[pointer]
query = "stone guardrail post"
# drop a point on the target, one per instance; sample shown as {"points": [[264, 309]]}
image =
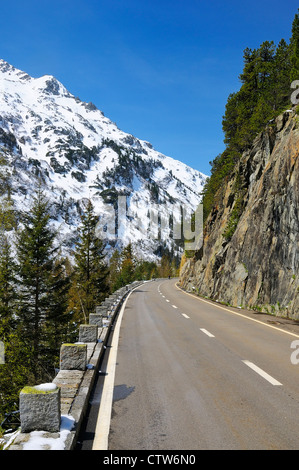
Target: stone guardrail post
{"points": [[88, 333], [96, 319], [103, 311], [73, 356], [40, 408], [40, 405]]}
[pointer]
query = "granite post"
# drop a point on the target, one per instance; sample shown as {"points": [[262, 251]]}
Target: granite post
{"points": [[73, 356], [88, 333], [40, 408]]}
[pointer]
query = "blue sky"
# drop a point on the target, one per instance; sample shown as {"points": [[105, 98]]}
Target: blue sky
{"points": [[161, 70]]}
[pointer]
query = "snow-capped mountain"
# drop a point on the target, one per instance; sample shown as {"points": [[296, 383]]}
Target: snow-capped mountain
{"points": [[49, 135]]}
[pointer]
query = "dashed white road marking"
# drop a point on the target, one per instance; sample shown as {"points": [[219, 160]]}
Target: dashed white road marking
{"points": [[236, 313], [184, 315], [262, 373], [174, 306], [207, 332]]}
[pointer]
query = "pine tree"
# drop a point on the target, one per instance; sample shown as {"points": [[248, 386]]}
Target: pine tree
{"points": [[58, 321], [265, 65], [128, 265], [146, 270], [16, 372], [230, 123], [36, 254], [281, 77], [165, 267], [127, 269], [265, 92], [114, 269], [8, 295], [90, 280], [7, 215], [294, 44]]}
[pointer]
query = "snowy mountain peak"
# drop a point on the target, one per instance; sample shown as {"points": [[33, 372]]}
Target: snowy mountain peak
{"points": [[48, 134], [5, 66], [11, 72], [48, 84]]}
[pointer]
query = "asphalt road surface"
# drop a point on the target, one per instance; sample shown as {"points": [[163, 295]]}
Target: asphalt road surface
{"points": [[191, 374]]}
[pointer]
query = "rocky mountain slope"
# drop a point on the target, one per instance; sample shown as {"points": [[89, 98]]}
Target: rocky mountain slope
{"points": [[250, 254], [49, 135]]}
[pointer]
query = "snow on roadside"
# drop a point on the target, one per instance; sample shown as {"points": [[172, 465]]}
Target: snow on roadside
{"points": [[41, 440]]}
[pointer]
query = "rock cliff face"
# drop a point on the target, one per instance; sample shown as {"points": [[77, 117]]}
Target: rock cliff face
{"points": [[250, 253]]}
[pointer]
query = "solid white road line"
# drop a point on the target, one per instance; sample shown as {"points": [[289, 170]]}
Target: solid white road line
{"points": [[104, 416], [207, 333], [236, 313], [262, 373]]}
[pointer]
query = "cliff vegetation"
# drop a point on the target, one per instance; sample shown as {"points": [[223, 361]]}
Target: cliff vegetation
{"points": [[250, 255]]}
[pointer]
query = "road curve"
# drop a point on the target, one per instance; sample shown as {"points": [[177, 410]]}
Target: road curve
{"points": [[192, 375]]}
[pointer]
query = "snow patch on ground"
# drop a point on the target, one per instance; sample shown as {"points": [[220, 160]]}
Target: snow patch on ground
{"points": [[39, 440]]}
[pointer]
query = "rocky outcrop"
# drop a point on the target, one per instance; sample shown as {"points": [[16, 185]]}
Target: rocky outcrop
{"points": [[250, 253]]}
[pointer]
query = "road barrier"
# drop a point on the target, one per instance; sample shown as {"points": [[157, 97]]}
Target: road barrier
{"points": [[51, 414]]}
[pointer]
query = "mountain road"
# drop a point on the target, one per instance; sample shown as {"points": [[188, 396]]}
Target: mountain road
{"points": [[187, 373]]}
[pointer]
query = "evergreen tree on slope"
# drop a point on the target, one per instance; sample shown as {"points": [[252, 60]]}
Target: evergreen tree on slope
{"points": [[36, 257], [90, 278]]}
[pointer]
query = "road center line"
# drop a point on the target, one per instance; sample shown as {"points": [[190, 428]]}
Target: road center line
{"points": [[262, 373], [184, 315], [174, 306], [207, 333]]}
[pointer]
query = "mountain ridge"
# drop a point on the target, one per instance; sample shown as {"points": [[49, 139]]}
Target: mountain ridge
{"points": [[48, 134]]}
